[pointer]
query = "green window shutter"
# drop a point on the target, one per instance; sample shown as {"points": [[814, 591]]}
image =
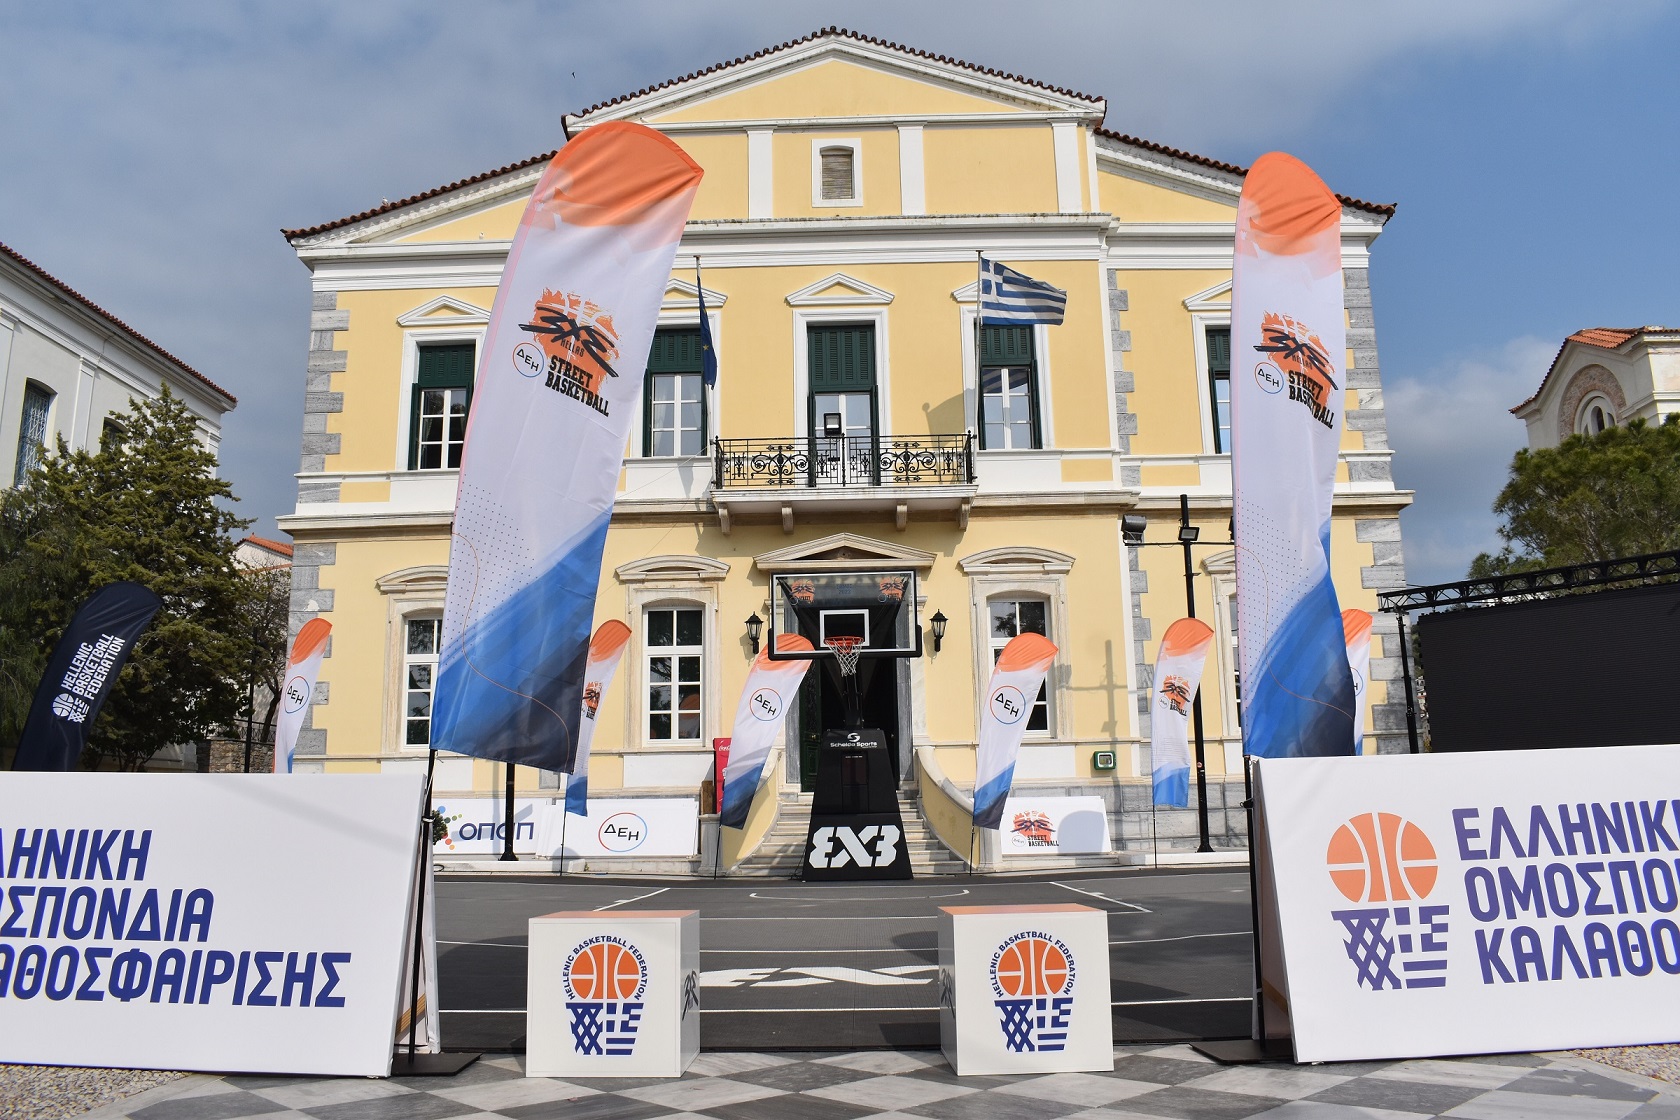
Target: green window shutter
{"points": [[675, 350], [446, 367], [842, 358], [1219, 349], [1006, 346]]}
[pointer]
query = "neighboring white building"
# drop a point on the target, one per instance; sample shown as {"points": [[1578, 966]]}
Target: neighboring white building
{"points": [[1602, 377], [67, 364]]}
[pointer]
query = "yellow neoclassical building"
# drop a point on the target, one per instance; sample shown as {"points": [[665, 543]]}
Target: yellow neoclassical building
{"points": [[849, 186]]}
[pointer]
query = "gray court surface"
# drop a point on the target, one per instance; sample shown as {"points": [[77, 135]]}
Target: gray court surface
{"points": [[789, 965]]}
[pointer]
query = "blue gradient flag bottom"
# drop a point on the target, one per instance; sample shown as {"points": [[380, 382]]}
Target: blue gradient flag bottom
{"points": [[606, 649], [1178, 674], [1288, 348], [559, 378]]}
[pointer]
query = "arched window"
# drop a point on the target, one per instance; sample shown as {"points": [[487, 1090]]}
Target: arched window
{"points": [[836, 172], [1595, 415]]}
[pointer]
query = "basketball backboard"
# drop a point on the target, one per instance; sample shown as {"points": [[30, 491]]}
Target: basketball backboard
{"points": [[877, 606]]}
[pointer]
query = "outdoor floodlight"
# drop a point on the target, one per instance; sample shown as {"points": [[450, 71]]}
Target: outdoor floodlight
{"points": [[754, 625], [938, 622], [1187, 534], [1132, 526]]}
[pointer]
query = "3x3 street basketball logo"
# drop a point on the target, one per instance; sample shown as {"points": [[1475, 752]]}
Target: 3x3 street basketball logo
{"points": [[575, 348], [1383, 858], [605, 981], [1296, 358], [1033, 979]]}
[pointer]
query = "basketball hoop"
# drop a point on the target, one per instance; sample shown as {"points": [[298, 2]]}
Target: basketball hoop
{"points": [[846, 649]]}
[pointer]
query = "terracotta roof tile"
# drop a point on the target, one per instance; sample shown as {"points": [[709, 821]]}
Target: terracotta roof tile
{"points": [[66, 289], [1386, 209], [280, 547], [387, 207], [1605, 338]]}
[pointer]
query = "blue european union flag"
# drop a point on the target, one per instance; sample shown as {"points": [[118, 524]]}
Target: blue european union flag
{"points": [[708, 353]]}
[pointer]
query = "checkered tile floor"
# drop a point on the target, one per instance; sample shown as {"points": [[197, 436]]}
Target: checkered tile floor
{"points": [[1147, 1081]]}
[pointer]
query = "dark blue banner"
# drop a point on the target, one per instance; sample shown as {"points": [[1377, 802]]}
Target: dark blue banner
{"points": [[80, 675]]}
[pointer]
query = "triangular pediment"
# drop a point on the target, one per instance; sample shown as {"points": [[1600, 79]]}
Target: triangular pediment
{"points": [[843, 552], [672, 568], [797, 81], [445, 311], [1020, 559], [1216, 298], [680, 296], [839, 290]]}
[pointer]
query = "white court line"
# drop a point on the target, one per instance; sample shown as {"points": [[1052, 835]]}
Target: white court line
{"points": [[638, 898], [820, 897], [486, 944], [801, 952], [1104, 898], [873, 918], [848, 1010], [1159, 1002], [1186, 937]]}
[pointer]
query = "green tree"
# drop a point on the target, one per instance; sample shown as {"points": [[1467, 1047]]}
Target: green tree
{"points": [[146, 507], [1590, 498]]}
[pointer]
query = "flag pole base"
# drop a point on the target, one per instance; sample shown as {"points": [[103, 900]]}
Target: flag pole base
{"points": [[404, 1064], [1246, 1051]]}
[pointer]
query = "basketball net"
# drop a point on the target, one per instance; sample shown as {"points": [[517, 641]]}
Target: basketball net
{"points": [[847, 649]]}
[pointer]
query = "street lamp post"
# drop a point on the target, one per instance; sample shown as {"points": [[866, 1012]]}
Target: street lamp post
{"points": [[1132, 527]]}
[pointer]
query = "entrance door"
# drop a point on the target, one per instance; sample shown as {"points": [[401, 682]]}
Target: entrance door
{"points": [[844, 412], [823, 708]]}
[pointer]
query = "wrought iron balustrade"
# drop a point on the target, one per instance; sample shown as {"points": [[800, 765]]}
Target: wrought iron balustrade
{"points": [[811, 461]]}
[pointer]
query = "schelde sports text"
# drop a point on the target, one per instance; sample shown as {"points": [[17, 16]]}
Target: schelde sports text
{"points": [[61, 937], [1572, 891]]}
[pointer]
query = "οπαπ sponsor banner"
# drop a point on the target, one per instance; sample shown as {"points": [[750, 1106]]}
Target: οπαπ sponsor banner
{"points": [[638, 827], [1475, 903], [213, 922], [1054, 826], [478, 825]]}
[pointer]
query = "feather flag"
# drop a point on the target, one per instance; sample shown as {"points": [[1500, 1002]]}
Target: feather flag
{"points": [[1178, 674], [303, 667], [606, 649], [1356, 629], [559, 378], [1288, 348], [1020, 672], [765, 698]]}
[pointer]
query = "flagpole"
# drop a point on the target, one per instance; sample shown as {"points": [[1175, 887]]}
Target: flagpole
{"points": [[979, 393]]}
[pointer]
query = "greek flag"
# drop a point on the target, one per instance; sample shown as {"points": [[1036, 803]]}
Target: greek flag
{"points": [[1008, 297]]}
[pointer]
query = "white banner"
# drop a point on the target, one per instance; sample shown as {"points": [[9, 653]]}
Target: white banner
{"points": [[206, 921], [1021, 668], [559, 378], [1178, 674], [478, 825], [1054, 826], [606, 649], [1472, 903], [622, 826], [1288, 349], [1356, 629], [770, 689], [303, 668]]}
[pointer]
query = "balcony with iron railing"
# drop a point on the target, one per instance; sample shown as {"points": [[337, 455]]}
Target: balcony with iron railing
{"points": [[860, 473]]}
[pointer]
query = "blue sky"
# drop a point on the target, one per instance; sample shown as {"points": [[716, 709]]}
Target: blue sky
{"points": [[149, 154]]}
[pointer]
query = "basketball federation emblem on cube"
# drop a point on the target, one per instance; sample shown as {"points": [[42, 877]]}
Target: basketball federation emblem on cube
{"points": [[1381, 858], [1033, 979], [605, 981]]}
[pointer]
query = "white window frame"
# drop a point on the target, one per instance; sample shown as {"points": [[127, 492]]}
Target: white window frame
{"points": [[1199, 323], [676, 314], [803, 319], [670, 581], [648, 652], [413, 339], [47, 419], [1221, 569], [995, 647], [415, 593], [855, 145], [1023, 572], [968, 312]]}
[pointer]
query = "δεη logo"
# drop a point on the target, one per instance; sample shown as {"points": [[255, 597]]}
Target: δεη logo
{"points": [[765, 704], [1383, 858], [622, 832], [1033, 980], [296, 694], [1008, 705], [605, 980]]}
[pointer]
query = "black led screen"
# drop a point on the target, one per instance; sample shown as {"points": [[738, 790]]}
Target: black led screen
{"points": [[1590, 670]]}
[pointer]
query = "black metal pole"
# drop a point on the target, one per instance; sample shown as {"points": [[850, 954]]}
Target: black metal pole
{"points": [[507, 824], [1196, 705], [419, 945], [250, 715], [1406, 678]]}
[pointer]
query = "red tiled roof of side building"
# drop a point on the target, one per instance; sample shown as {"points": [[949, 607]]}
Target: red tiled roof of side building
{"points": [[1605, 338], [281, 547], [55, 282]]}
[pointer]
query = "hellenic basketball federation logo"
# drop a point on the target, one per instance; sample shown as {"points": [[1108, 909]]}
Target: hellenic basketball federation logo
{"points": [[1032, 982], [1382, 858], [605, 979]]}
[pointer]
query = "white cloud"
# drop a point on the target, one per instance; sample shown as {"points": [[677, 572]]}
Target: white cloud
{"points": [[1454, 437]]}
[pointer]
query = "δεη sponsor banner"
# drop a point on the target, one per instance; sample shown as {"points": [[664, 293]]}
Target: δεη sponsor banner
{"points": [[1054, 826], [621, 826], [211, 922], [1472, 903]]}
